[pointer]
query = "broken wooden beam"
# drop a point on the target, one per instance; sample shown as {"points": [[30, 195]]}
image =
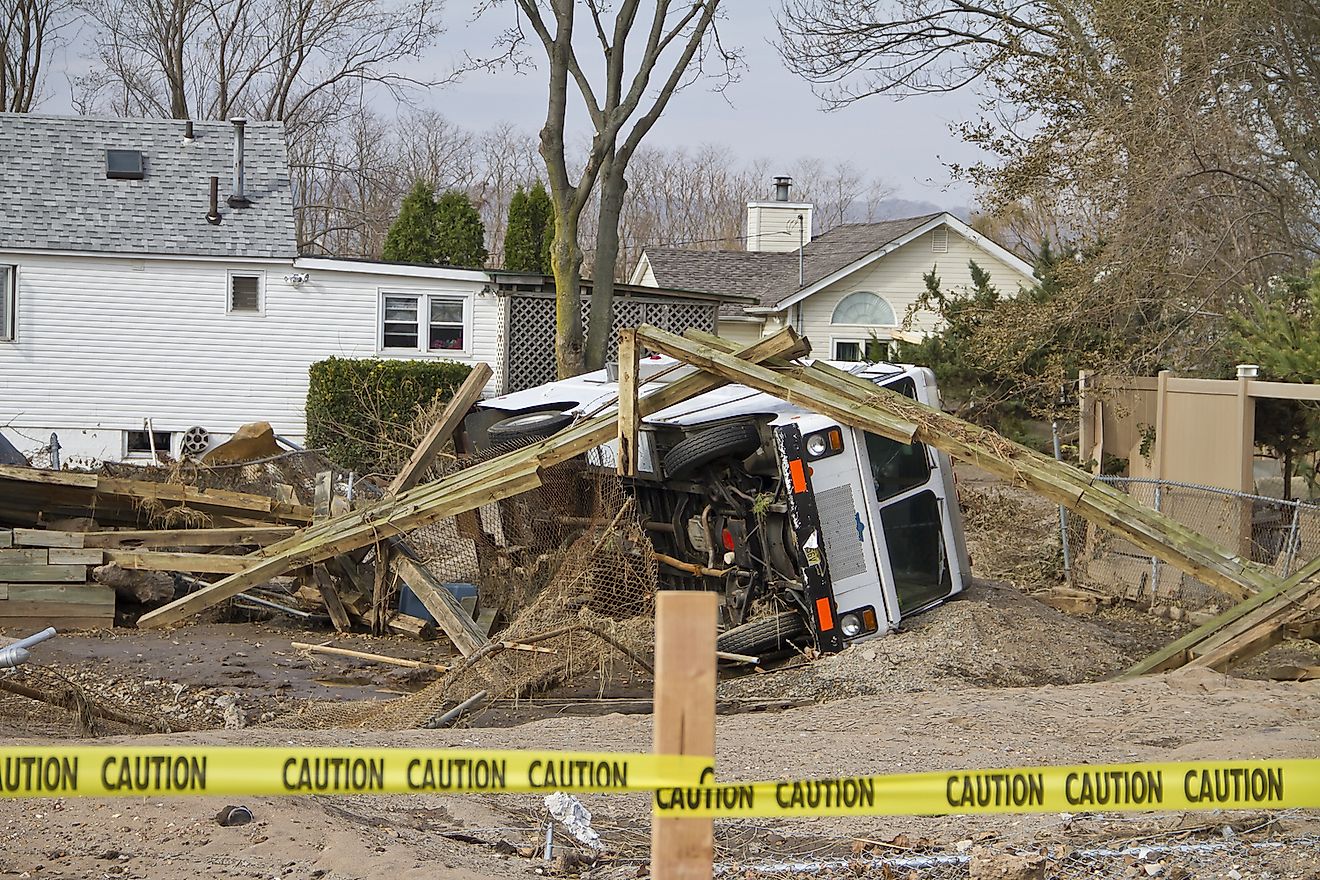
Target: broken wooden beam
{"points": [[493, 480], [1177, 653], [368, 656], [334, 606], [448, 613], [899, 418], [159, 560], [153, 539], [450, 418]]}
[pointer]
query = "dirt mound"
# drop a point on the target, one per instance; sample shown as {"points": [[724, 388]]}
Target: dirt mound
{"points": [[994, 637]]}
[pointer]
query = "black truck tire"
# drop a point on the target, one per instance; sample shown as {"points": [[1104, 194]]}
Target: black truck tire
{"points": [[533, 424], [734, 440], [764, 636]]}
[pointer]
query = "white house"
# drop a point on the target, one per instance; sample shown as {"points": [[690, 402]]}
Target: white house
{"points": [[149, 275], [842, 289]]}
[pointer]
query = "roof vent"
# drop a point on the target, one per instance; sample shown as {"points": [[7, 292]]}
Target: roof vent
{"points": [[123, 164]]}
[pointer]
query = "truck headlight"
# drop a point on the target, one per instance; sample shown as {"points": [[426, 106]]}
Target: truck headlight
{"points": [[858, 622], [823, 443], [850, 625]]}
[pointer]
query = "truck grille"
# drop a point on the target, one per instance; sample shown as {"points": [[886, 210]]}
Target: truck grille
{"points": [[838, 528]]}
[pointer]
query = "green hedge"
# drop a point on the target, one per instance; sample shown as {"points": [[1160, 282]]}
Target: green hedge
{"points": [[360, 410]]}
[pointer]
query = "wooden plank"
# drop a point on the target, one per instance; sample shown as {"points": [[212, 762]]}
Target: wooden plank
{"points": [[629, 422], [1175, 653], [6, 537], [48, 477], [684, 849], [29, 556], [34, 623], [447, 611], [1263, 635], [325, 490], [159, 560], [406, 625], [47, 538], [498, 478], [72, 556], [154, 539], [889, 414], [426, 452], [88, 594], [23, 608], [36, 573], [325, 585], [4, 591], [145, 490]]}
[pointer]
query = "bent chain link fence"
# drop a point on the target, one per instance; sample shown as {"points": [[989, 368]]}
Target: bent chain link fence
{"points": [[1280, 535]]}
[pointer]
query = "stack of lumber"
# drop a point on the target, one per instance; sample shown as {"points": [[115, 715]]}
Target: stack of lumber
{"points": [[44, 582], [29, 496]]}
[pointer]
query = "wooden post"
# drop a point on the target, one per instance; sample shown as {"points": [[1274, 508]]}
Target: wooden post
{"points": [[628, 420], [426, 452], [684, 849]]}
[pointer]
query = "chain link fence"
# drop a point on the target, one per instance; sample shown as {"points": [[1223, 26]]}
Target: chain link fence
{"points": [[1280, 535]]}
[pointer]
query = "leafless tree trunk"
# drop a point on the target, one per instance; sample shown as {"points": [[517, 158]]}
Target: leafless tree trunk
{"points": [[29, 27], [611, 105]]}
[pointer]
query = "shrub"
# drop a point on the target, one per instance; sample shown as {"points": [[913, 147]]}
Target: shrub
{"points": [[360, 410]]}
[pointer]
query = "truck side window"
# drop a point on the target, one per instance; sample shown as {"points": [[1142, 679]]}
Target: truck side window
{"points": [[913, 531]]}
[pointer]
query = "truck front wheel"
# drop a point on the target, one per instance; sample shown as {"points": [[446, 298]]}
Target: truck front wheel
{"points": [[764, 636]]}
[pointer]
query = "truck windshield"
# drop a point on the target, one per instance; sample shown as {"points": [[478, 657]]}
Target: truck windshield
{"points": [[896, 467]]}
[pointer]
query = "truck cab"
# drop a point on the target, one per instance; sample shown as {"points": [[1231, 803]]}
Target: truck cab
{"points": [[813, 532]]}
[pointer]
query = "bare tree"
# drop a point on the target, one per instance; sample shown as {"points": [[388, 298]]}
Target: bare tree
{"points": [[29, 28], [292, 60], [680, 35]]}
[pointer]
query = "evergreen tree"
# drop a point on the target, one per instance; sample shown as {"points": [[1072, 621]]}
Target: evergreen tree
{"points": [[1280, 333], [460, 236], [529, 232], [411, 237]]}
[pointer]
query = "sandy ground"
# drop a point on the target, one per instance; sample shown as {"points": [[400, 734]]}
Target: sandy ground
{"points": [[1190, 715], [995, 679]]}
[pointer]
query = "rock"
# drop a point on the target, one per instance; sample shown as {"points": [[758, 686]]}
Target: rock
{"points": [[990, 864], [234, 718], [250, 442], [146, 587]]}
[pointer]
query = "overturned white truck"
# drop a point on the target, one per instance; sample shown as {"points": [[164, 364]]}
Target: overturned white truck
{"points": [[812, 532]]}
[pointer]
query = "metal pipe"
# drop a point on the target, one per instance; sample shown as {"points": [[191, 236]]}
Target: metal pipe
{"points": [[13, 656], [1292, 539], [1063, 511], [453, 714], [34, 640]]}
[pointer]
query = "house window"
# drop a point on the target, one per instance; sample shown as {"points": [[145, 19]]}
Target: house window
{"points": [[870, 350], [865, 308], [423, 323], [8, 275], [245, 291], [140, 442]]}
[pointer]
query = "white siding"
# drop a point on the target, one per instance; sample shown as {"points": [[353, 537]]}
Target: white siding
{"points": [[103, 343], [773, 226], [741, 332], [897, 277]]}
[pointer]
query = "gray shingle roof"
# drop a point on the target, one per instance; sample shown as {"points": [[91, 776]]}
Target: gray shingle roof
{"points": [[57, 197], [772, 277]]}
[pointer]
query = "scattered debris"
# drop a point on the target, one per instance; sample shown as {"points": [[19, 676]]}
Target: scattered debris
{"points": [[230, 816], [571, 813]]}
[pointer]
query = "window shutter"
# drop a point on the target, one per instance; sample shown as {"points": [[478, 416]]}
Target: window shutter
{"points": [[244, 293]]}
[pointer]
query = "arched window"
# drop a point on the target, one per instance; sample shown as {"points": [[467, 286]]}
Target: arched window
{"points": [[863, 307]]}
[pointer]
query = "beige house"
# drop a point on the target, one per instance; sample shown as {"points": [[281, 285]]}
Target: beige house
{"points": [[842, 289]]}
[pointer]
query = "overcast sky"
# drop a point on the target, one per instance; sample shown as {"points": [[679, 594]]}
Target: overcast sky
{"points": [[770, 113]]}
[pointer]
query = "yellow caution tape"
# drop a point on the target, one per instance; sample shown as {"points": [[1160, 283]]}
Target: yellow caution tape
{"points": [[106, 770], [1200, 785]]}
